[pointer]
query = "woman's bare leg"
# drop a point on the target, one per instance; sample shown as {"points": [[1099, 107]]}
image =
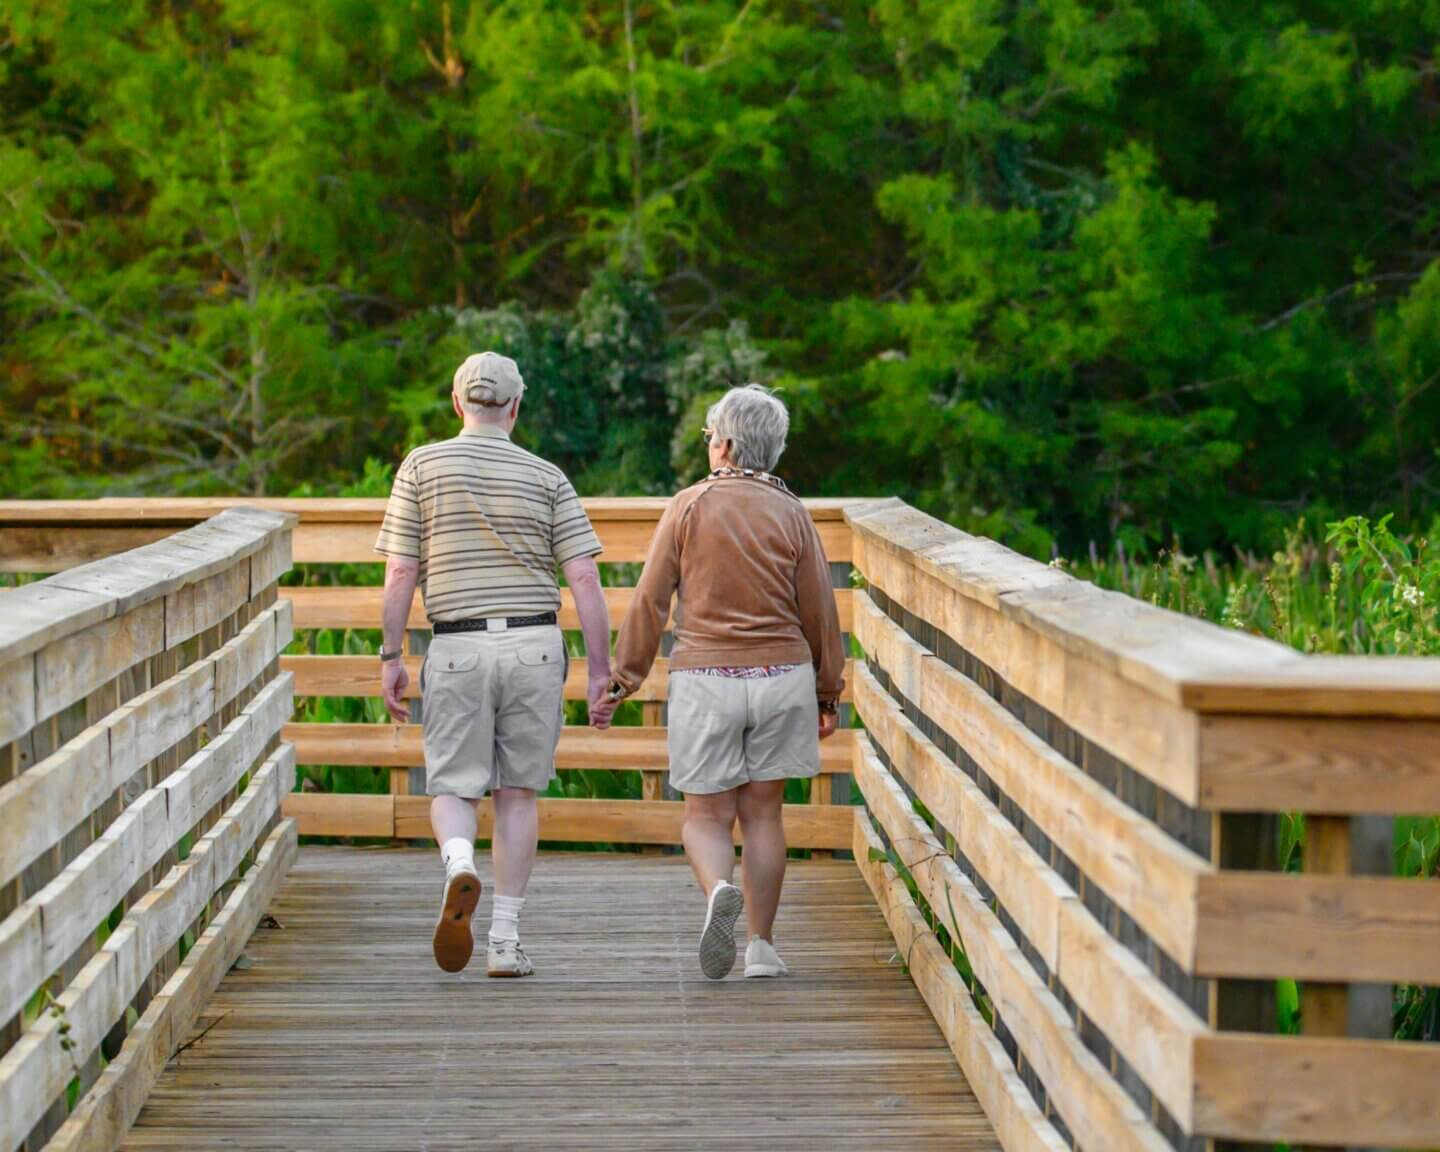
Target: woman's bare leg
{"points": [[708, 836], [762, 860]]}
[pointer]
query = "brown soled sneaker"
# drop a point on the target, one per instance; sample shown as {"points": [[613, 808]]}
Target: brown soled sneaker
{"points": [[454, 941]]}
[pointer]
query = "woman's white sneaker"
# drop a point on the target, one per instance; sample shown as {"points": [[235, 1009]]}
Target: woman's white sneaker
{"points": [[761, 959], [717, 941]]}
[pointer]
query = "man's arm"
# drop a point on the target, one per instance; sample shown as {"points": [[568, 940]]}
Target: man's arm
{"points": [[584, 579], [401, 576]]}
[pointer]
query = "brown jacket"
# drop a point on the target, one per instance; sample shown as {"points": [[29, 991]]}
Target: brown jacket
{"points": [[753, 581]]}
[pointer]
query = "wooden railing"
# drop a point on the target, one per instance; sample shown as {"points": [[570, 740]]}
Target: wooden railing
{"points": [[43, 536], [141, 777], [1070, 816], [1081, 792]]}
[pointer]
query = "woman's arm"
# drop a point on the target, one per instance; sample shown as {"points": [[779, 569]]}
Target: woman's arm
{"points": [[639, 638], [820, 619]]}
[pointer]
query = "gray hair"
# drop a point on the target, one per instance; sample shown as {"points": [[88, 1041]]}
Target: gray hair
{"points": [[755, 422]]}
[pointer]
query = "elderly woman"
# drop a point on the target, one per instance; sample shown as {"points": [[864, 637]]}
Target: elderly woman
{"points": [[755, 675]]}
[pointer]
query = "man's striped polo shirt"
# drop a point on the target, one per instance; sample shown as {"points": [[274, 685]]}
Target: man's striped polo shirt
{"points": [[489, 523]]}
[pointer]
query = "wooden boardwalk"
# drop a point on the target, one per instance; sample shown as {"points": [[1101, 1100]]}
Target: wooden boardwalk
{"points": [[338, 1032]]}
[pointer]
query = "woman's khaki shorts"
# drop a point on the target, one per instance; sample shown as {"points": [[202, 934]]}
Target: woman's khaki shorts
{"points": [[726, 732], [493, 703]]}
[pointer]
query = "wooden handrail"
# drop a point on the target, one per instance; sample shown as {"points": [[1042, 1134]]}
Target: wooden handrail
{"points": [[1092, 787], [141, 707]]}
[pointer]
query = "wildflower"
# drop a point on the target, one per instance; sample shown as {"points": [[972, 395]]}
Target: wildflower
{"points": [[1058, 562], [1409, 594]]}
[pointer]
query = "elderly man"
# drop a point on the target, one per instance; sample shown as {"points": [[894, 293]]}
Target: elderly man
{"points": [[481, 525]]}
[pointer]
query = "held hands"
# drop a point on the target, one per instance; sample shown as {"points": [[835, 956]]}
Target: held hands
{"points": [[394, 679], [829, 724], [602, 705]]}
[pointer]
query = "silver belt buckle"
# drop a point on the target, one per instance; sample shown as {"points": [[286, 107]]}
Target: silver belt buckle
{"points": [[497, 624]]}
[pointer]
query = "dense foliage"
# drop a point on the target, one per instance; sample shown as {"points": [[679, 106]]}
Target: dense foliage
{"points": [[1059, 271]]}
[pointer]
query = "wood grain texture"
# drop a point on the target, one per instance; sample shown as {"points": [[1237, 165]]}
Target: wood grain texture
{"points": [[1140, 1016], [401, 746], [1186, 662], [1153, 735], [41, 805], [74, 903], [39, 614], [1151, 876], [1019, 1123], [561, 820], [360, 676], [1093, 1105], [841, 1056], [38, 1068], [1353, 929], [346, 607], [104, 1115], [1319, 764], [1330, 1093]]}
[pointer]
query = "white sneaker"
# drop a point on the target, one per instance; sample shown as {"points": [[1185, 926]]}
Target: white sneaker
{"points": [[717, 941], [507, 958], [761, 959], [453, 941]]}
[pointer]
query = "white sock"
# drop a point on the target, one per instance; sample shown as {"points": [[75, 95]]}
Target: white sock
{"points": [[458, 852], [505, 919]]}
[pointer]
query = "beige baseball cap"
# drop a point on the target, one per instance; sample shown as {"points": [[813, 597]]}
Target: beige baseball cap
{"points": [[488, 378]]}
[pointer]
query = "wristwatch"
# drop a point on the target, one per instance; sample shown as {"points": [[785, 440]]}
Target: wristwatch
{"points": [[386, 657]]}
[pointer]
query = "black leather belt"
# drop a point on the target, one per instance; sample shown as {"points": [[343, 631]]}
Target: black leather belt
{"points": [[441, 627]]}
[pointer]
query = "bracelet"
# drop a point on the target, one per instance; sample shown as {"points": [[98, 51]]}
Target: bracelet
{"points": [[386, 657], [830, 707]]}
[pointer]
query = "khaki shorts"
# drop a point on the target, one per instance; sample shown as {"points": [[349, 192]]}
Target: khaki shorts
{"points": [[726, 732], [493, 703]]}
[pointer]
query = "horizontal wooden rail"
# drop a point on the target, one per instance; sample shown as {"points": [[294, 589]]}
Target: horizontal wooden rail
{"points": [[1141, 1017], [401, 746], [1019, 1123], [102, 1117], [1079, 786], [561, 820], [140, 712], [50, 536], [360, 676], [352, 607]]}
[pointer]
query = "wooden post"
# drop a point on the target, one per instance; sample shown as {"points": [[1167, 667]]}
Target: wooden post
{"points": [[652, 784], [411, 781], [1248, 842], [1341, 845]]}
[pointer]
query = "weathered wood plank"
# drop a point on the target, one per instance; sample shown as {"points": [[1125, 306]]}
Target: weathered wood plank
{"points": [[400, 746], [1148, 874], [561, 820], [1140, 1016], [106, 1113], [37, 1069], [360, 676], [1153, 735], [1317, 1091], [1355, 929], [1323, 765], [41, 614], [41, 805], [83, 894], [346, 607], [69, 669], [1019, 1123], [1094, 1107]]}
